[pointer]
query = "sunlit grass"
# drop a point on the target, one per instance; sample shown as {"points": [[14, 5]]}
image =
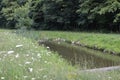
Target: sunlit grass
{"points": [[21, 58], [109, 42]]}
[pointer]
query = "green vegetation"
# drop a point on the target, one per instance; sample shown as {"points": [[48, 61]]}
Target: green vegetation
{"points": [[61, 14], [108, 42], [13, 11], [100, 76], [22, 59]]}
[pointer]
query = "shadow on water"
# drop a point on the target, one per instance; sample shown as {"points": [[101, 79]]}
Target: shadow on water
{"points": [[82, 57]]}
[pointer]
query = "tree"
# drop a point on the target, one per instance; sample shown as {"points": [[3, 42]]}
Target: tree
{"points": [[111, 9], [16, 13], [2, 19], [62, 14], [55, 14], [100, 14], [21, 16], [8, 10]]}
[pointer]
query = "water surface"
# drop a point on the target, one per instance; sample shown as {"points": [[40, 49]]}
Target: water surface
{"points": [[82, 57]]}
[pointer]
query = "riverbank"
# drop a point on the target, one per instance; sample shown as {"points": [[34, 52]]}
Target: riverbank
{"points": [[82, 57], [108, 43]]}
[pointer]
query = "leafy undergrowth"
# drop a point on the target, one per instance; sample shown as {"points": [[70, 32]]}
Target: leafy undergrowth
{"points": [[21, 58]]}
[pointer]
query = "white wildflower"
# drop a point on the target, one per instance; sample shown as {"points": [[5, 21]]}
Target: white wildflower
{"points": [[2, 77], [33, 79], [39, 55], [47, 47], [27, 55], [45, 61], [109, 77], [30, 69], [10, 52], [27, 62], [33, 58], [19, 46], [45, 76], [18, 39], [17, 55]]}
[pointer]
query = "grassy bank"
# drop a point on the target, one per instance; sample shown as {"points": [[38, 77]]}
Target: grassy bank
{"points": [[21, 58], [109, 42]]}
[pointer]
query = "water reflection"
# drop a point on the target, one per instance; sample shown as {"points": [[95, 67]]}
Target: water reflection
{"points": [[79, 56]]}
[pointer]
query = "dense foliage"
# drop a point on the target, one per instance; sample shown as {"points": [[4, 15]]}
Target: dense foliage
{"points": [[16, 13], [55, 14], [1, 17], [100, 14], [103, 15]]}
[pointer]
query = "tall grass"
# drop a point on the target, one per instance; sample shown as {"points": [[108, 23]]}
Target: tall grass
{"points": [[109, 42], [21, 58]]}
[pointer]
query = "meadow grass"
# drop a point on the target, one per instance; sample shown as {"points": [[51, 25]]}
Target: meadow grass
{"points": [[110, 75], [109, 42], [21, 58]]}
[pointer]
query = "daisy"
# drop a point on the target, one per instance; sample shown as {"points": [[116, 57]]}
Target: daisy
{"points": [[10, 52], [19, 46]]}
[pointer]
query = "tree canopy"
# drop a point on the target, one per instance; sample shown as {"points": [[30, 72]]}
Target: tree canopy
{"points": [[102, 15]]}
